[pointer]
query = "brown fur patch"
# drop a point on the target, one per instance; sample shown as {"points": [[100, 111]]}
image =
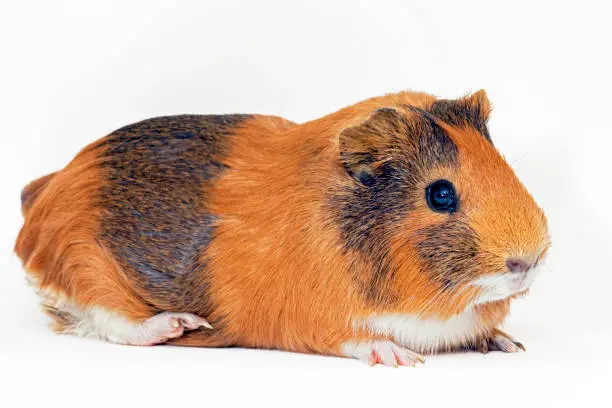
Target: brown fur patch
{"points": [[155, 219], [472, 111], [395, 148]]}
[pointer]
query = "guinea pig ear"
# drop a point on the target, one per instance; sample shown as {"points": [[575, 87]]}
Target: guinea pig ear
{"points": [[364, 148], [481, 101], [473, 110]]}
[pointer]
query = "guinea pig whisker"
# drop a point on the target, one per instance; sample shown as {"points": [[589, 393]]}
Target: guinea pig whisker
{"points": [[434, 299], [454, 294], [439, 300]]}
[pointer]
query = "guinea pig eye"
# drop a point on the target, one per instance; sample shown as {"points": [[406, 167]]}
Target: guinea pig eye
{"points": [[441, 197]]}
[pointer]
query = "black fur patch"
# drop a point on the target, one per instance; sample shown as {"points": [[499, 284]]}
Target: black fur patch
{"points": [[449, 250], [154, 219], [435, 146], [368, 212], [461, 113]]}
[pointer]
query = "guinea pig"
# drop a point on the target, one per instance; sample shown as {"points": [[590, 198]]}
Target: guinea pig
{"points": [[384, 231]]}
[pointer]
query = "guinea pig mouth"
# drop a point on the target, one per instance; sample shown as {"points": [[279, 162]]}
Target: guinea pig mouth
{"points": [[502, 285]]}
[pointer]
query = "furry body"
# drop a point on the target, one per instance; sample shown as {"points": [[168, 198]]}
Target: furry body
{"points": [[311, 238]]}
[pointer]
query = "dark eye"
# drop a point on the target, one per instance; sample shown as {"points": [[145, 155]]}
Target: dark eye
{"points": [[441, 196]]}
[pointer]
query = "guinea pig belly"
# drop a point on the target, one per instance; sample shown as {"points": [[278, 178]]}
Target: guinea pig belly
{"points": [[427, 335]]}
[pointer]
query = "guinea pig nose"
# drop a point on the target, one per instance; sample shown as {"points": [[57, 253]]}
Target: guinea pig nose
{"points": [[517, 265]]}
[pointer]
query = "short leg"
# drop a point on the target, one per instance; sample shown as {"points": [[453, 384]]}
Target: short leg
{"points": [[500, 341], [157, 329], [385, 352], [114, 326]]}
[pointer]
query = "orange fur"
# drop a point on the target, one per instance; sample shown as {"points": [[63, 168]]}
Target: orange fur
{"points": [[276, 268], [287, 237], [58, 247]]}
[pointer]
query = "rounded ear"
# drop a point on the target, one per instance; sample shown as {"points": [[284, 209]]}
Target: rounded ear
{"points": [[480, 100], [364, 148], [472, 111]]}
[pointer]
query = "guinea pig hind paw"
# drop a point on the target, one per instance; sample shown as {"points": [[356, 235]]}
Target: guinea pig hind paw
{"points": [[501, 341], [165, 326], [382, 352]]}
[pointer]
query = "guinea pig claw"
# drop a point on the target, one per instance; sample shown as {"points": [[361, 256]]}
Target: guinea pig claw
{"points": [[193, 322], [484, 346], [383, 352], [204, 323]]}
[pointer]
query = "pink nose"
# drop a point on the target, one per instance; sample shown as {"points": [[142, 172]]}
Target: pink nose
{"points": [[518, 265]]}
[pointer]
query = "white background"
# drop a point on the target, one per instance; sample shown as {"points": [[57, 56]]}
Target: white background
{"points": [[72, 71]]}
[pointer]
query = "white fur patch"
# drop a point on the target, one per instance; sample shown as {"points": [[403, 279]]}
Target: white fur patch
{"points": [[96, 322], [424, 334], [503, 285], [432, 334]]}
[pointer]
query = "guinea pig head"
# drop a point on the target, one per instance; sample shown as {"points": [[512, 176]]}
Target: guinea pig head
{"points": [[436, 209]]}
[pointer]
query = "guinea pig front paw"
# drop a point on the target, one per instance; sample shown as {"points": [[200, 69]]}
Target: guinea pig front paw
{"points": [[381, 352], [500, 341], [165, 326]]}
